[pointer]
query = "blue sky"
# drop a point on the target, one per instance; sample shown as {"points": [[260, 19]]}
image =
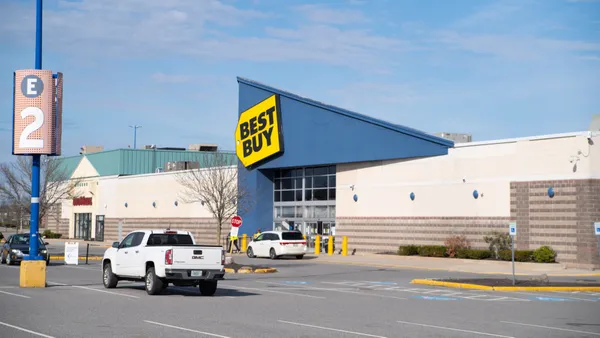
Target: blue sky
{"points": [[496, 69]]}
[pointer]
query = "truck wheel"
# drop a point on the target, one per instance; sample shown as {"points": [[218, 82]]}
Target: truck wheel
{"points": [[250, 253], [153, 284], [108, 278], [208, 288]]}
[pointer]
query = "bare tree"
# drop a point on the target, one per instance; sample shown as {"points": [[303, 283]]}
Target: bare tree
{"points": [[216, 187], [55, 184]]}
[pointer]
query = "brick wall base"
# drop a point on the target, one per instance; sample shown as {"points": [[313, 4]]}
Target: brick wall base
{"points": [[563, 222], [386, 234]]}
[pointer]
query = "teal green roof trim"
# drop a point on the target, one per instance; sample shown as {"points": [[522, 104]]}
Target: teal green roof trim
{"points": [[141, 161], [68, 164]]}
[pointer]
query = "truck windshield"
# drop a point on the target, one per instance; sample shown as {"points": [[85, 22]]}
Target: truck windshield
{"points": [[169, 239], [292, 236]]}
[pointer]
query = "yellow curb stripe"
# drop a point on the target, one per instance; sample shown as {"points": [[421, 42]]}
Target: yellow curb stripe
{"points": [[504, 288], [229, 270], [267, 270], [95, 258], [376, 265]]}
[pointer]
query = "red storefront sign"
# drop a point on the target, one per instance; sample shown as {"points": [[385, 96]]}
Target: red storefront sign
{"points": [[78, 201]]}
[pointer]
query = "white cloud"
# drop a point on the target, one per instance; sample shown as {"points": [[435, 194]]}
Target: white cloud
{"points": [[328, 15], [136, 28]]}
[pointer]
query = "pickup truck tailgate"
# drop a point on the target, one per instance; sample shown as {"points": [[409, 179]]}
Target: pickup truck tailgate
{"points": [[196, 258]]}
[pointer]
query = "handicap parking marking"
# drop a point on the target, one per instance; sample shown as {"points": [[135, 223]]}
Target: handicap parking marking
{"points": [[295, 282], [439, 292], [433, 297], [553, 299]]}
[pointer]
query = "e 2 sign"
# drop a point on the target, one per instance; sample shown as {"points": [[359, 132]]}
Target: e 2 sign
{"points": [[258, 132]]}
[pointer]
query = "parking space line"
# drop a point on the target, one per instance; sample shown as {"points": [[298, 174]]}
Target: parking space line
{"points": [[14, 294], [546, 295], [453, 329], [285, 293], [184, 329], [335, 290], [104, 291], [25, 330], [552, 328], [7, 287], [331, 329]]}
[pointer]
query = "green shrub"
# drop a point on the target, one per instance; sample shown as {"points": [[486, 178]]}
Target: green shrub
{"points": [[408, 250], [455, 243], [498, 242], [432, 251], [544, 254], [473, 254], [50, 234], [520, 255]]}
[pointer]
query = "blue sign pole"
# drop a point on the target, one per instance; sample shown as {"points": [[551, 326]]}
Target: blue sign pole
{"points": [[35, 167]]}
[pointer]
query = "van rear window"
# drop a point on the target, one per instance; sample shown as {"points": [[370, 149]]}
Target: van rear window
{"points": [[292, 236], [169, 239]]}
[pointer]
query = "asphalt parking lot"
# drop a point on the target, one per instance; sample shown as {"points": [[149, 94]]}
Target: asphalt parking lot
{"points": [[304, 299]]}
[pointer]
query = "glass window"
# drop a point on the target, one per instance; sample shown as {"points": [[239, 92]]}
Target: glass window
{"points": [[332, 194], [309, 212], [309, 171], [126, 243], [287, 183], [137, 239], [292, 236], [320, 182], [286, 173], [277, 184], [308, 182], [298, 195], [321, 171], [320, 194], [287, 195], [298, 184], [299, 212], [332, 181], [332, 211], [277, 196], [321, 212], [331, 170], [297, 172], [288, 212], [308, 195]]}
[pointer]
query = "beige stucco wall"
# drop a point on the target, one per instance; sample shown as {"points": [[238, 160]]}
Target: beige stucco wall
{"points": [[109, 195], [139, 191], [383, 187]]}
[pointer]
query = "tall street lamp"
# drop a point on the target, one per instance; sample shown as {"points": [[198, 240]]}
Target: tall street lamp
{"points": [[135, 128]]}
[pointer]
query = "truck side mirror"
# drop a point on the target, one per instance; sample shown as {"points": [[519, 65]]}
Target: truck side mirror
{"points": [[115, 244]]}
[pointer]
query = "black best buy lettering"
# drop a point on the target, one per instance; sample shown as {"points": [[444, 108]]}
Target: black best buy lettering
{"points": [[255, 130]]}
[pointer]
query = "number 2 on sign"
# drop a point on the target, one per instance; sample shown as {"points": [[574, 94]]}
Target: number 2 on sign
{"points": [[38, 114]]}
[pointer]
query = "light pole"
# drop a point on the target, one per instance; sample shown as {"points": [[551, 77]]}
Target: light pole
{"points": [[135, 128]]}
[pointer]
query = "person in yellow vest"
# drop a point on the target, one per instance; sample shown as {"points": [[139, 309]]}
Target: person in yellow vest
{"points": [[233, 240], [256, 234]]}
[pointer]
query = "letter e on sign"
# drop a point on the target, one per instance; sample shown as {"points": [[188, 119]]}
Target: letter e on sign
{"points": [[36, 126], [258, 132]]}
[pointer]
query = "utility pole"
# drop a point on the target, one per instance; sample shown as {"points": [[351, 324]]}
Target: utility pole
{"points": [[135, 128]]}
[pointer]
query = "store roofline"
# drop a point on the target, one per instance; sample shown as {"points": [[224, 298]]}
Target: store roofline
{"points": [[385, 124], [526, 138]]}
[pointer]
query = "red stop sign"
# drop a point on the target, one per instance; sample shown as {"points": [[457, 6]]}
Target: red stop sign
{"points": [[236, 221]]}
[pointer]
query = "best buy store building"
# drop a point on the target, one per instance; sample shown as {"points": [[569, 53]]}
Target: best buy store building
{"points": [[322, 169]]}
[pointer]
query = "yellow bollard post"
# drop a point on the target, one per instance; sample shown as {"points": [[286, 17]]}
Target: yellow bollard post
{"points": [[330, 246], [345, 246], [317, 244], [244, 242]]}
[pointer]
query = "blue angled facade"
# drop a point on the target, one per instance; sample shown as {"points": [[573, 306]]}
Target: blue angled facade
{"points": [[316, 134]]}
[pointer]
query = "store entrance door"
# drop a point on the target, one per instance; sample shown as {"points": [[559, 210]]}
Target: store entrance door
{"points": [[83, 226]]}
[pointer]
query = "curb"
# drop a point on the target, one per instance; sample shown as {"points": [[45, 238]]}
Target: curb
{"points": [[410, 267], [248, 271], [90, 258], [504, 288]]}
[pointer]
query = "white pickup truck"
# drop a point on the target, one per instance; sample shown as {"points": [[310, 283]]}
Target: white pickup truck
{"points": [[160, 257]]}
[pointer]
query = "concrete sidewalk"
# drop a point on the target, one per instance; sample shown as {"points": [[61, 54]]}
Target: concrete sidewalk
{"points": [[486, 267]]}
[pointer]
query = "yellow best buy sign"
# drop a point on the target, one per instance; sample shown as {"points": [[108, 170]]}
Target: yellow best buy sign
{"points": [[258, 132]]}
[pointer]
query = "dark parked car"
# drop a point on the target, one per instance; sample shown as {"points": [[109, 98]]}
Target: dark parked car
{"points": [[17, 246]]}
